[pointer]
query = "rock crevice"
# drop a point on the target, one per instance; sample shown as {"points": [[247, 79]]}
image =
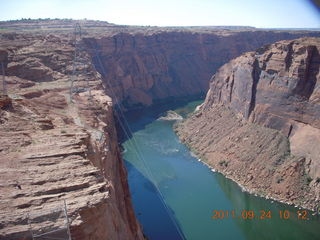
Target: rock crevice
{"points": [[54, 150], [266, 136], [143, 68]]}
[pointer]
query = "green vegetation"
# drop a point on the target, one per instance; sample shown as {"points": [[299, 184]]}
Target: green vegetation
{"points": [[309, 179], [286, 155], [279, 179], [223, 163]]}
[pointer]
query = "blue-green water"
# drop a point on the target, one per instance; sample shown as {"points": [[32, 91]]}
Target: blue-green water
{"points": [[192, 191]]}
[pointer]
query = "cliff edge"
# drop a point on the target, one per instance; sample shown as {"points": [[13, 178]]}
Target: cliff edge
{"points": [[260, 122], [55, 149], [155, 65]]}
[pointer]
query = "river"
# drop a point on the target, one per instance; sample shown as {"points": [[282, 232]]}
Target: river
{"points": [[156, 160]]}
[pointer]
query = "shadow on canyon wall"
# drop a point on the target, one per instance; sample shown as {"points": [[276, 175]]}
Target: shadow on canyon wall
{"points": [[147, 114]]}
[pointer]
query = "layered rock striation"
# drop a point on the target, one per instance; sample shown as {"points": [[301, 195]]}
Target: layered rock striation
{"points": [[59, 143], [259, 124], [141, 68], [54, 150]]}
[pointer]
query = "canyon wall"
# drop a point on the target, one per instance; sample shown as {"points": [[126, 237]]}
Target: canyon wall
{"points": [[55, 149], [59, 143], [259, 124], [140, 68]]}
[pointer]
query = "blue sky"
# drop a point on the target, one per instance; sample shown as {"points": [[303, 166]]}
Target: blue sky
{"points": [[257, 13]]}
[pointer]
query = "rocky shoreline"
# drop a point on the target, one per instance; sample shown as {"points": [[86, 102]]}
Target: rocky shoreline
{"points": [[171, 116], [55, 148], [248, 130], [244, 188], [253, 192]]}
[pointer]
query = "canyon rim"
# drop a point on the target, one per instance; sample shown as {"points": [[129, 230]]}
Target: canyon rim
{"points": [[55, 148], [259, 124]]}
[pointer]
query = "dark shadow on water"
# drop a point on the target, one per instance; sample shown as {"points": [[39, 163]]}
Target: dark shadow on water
{"points": [[149, 209], [140, 117], [159, 222]]}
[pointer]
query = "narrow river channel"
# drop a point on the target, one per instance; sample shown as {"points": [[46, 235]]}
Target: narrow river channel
{"points": [[192, 191]]}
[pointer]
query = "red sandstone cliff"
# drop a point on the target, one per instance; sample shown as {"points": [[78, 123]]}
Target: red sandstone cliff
{"points": [[52, 149], [155, 65], [259, 124]]}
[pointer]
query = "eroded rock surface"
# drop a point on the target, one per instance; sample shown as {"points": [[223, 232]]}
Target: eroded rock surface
{"points": [[259, 124], [145, 67], [52, 149]]}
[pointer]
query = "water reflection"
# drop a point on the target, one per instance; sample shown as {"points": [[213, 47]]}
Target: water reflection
{"points": [[149, 209], [192, 191], [268, 228]]}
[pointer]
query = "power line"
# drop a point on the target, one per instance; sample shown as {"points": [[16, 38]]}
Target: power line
{"points": [[79, 64], [4, 87], [134, 145], [57, 220]]}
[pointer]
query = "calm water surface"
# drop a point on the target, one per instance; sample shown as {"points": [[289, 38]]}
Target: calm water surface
{"points": [[192, 191]]}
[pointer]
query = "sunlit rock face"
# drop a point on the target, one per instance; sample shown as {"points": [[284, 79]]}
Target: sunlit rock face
{"points": [[260, 122], [53, 150], [142, 67]]}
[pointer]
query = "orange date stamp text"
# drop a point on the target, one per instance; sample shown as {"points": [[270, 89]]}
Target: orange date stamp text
{"points": [[260, 214]]}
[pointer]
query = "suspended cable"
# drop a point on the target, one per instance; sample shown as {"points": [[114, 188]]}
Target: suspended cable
{"points": [[125, 126], [4, 88]]}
